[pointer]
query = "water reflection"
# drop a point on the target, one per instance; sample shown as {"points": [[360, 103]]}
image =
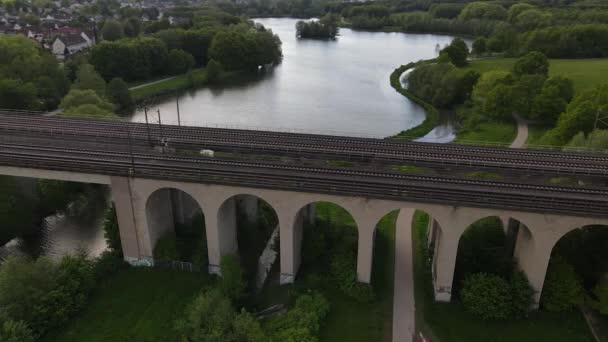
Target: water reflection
{"points": [[321, 86], [79, 228]]}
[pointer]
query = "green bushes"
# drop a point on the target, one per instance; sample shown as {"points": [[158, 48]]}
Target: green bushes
{"points": [[231, 284], [487, 296], [12, 331], [211, 317], [491, 297], [44, 295], [443, 85], [302, 323], [343, 268], [562, 289], [601, 292]]}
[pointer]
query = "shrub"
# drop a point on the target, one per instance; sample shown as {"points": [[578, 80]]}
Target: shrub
{"points": [[208, 318], [166, 248], [562, 289], [12, 331], [231, 283], [109, 262], [303, 321], [74, 280], [522, 294], [118, 92], [487, 296], [44, 295]]}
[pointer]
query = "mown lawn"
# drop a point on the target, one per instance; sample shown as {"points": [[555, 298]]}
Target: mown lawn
{"points": [[585, 73], [451, 322], [136, 304], [494, 133]]}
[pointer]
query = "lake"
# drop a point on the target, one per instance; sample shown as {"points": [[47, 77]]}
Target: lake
{"points": [[322, 86]]}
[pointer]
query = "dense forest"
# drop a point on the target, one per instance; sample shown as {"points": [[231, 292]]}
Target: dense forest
{"points": [[559, 29]]}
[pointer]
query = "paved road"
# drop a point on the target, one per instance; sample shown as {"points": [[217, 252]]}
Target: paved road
{"points": [[522, 132], [403, 301]]}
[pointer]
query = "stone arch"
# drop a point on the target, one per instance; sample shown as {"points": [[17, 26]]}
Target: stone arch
{"points": [[583, 247], [313, 213], [237, 215], [491, 244], [169, 207]]}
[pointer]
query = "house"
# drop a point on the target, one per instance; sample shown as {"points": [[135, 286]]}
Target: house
{"points": [[70, 43]]}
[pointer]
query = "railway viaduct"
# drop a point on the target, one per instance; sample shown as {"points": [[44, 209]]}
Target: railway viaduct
{"points": [[140, 182]]}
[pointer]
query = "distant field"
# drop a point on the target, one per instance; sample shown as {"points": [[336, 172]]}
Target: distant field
{"points": [[585, 73]]}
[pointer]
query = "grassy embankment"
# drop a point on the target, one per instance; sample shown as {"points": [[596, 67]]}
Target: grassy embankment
{"points": [[451, 322], [167, 86], [143, 304], [136, 304], [585, 73], [432, 114]]}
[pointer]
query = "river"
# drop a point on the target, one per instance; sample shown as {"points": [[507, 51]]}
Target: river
{"points": [[322, 86]]}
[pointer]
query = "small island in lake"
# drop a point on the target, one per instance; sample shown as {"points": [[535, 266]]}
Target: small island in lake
{"points": [[325, 28]]}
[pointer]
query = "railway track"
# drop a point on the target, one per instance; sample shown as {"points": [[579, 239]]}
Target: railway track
{"points": [[346, 148], [456, 191]]}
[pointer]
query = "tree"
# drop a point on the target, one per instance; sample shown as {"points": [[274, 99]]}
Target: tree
{"points": [[581, 114], [532, 63], [562, 289], [483, 10], [525, 90], [214, 71], [499, 103], [247, 328], [457, 52], [553, 99], [180, 62], [112, 30], [488, 81], [88, 78], [16, 331], [118, 92], [517, 9], [24, 285], [16, 94], [479, 46], [76, 98]]}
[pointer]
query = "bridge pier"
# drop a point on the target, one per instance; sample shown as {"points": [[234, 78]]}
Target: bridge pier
{"points": [[130, 239], [444, 262], [291, 229]]}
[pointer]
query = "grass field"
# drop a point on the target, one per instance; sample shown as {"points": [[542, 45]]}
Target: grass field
{"points": [[451, 322], [585, 73], [136, 304], [175, 84], [496, 133]]}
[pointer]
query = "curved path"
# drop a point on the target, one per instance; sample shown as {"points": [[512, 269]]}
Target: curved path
{"points": [[522, 132], [404, 309]]}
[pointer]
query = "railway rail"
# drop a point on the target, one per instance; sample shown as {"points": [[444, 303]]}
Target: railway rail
{"points": [[456, 191], [337, 147]]}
